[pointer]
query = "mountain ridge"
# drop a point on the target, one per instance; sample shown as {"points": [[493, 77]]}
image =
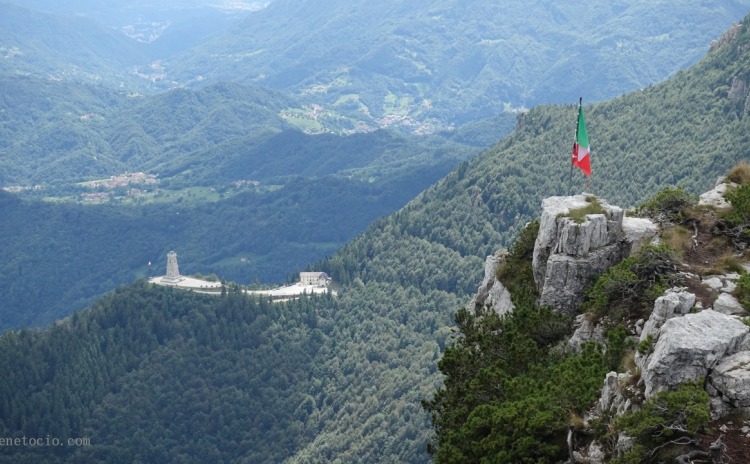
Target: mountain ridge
{"points": [[468, 76]]}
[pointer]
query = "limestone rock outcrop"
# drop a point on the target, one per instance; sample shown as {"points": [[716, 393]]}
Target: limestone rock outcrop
{"points": [[715, 197], [729, 384], [674, 302], [689, 347], [491, 294], [569, 255], [585, 331], [639, 232], [678, 346]]}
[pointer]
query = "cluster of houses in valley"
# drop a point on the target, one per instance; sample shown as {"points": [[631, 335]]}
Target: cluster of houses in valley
{"points": [[310, 283]]}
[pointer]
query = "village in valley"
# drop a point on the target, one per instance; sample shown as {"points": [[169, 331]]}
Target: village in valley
{"points": [[310, 283]]}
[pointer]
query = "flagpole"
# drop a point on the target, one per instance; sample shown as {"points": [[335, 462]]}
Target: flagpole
{"points": [[575, 137], [570, 181]]}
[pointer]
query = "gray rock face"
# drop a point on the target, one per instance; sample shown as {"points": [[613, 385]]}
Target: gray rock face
{"points": [[727, 304], [584, 332], [491, 294], [715, 197], [731, 378], [688, 347], [639, 232], [569, 255], [674, 302], [568, 277], [611, 399]]}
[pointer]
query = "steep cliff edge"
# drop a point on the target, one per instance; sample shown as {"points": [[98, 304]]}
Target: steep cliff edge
{"points": [[579, 238], [689, 350]]}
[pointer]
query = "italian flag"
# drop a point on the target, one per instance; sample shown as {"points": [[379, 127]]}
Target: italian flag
{"points": [[581, 150]]}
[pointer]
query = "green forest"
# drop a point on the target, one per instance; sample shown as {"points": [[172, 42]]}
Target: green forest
{"points": [[208, 378], [47, 271], [300, 196]]}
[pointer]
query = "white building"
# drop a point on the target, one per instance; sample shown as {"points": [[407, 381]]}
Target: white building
{"points": [[315, 279]]}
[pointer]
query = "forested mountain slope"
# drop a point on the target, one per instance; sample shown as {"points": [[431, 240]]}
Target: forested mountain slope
{"points": [[69, 48], [450, 61], [60, 132], [404, 278], [314, 192], [184, 376], [43, 126]]}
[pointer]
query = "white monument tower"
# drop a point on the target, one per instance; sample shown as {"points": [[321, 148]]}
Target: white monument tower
{"points": [[173, 272]]}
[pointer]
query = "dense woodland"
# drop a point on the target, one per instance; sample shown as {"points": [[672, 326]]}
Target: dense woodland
{"points": [[209, 378], [231, 378]]}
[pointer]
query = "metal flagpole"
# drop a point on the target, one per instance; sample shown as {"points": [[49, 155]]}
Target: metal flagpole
{"points": [[570, 182], [575, 149]]}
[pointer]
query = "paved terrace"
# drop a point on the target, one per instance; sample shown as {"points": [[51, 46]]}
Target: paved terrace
{"points": [[290, 291], [188, 283]]}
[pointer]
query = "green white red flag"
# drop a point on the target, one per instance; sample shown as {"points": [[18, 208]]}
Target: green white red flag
{"points": [[581, 150]]}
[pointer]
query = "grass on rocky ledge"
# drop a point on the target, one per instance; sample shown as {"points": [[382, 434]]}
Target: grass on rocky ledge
{"points": [[579, 214]]}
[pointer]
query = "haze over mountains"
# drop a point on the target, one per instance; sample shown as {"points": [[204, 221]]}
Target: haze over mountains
{"points": [[419, 65], [453, 61], [136, 371]]}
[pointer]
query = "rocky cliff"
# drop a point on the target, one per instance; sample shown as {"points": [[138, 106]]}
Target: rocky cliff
{"points": [[695, 332], [569, 253]]}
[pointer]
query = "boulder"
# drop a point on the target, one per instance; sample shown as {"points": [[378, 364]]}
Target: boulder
{"points": [[639, 232], [727, 304], [674, 302], [731, 379], [688, 347], [713, 282], [729, 287], [721, 283], [715, 197], [732, 276]]}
